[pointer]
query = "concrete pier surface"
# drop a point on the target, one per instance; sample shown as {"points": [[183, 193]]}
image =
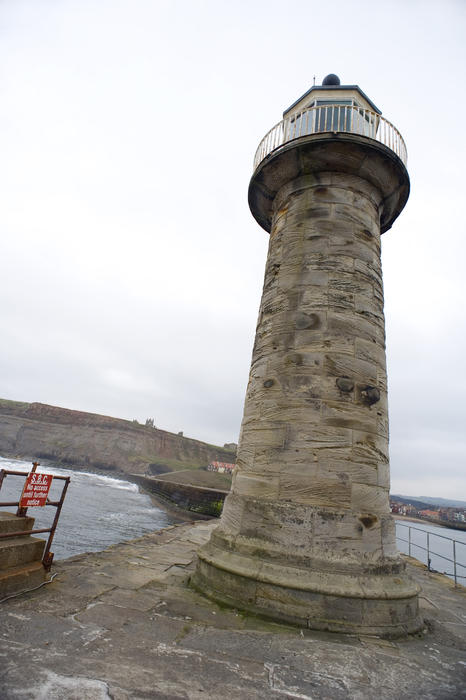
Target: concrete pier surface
{"points": [[124, 624]]}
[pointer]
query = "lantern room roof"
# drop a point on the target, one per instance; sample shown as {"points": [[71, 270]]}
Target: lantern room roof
{"points": [[333, 88]]}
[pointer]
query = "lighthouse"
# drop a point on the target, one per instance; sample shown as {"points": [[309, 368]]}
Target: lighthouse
{"points": [[306, 535]]}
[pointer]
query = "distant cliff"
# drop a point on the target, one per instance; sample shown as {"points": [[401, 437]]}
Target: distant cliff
{"points": [[74, 438]]}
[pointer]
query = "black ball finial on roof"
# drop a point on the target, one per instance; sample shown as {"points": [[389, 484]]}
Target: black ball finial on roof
{"points": [[331, 79]]}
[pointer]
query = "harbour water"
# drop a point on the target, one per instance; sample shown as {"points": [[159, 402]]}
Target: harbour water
{"points": [[415, 538], [98, 510]]}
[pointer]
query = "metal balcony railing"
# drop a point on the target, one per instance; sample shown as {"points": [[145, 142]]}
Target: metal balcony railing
{"points": [[415, 550], [335, 119]]}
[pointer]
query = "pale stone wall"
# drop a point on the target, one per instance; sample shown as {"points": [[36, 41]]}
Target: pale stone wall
{"points": [[315, 426]]}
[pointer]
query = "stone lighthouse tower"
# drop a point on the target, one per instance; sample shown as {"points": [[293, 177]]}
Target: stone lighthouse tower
{"points": [[306, 535]]}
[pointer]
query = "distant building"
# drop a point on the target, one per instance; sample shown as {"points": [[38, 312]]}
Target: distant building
{"points": [[221, 467], [429, 514], [402, 508]]}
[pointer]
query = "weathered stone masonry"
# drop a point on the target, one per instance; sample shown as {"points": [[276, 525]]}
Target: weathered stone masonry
{"points": [[306, 534], [315, 424]]}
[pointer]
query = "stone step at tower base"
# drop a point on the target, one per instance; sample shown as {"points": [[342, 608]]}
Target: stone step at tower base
{"points": [[21, 578], [21, 565]]}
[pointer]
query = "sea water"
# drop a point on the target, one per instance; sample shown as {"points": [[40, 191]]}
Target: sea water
{"points": [[98, 510], [416, 538]]}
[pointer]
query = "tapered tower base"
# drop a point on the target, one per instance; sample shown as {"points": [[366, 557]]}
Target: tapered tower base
{"points": [[334, 596]]}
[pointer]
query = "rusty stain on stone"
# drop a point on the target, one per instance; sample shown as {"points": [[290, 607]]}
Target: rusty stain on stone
{"points": [[368, 520]]}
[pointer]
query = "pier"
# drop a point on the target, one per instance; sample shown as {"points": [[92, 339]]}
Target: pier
{"points": [[124, 623]]}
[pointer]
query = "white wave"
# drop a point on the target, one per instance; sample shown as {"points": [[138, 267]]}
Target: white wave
{"points": [[100, 479], [14, 464], [125, 486], [120, 484]]}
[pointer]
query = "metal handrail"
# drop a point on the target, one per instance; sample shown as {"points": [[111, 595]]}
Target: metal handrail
{"points": [[47, 557], [335, 119], [430, 551]]}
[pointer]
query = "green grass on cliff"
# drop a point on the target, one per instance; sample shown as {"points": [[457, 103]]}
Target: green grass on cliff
{"points": [[172, 464], [175, 464], [200, 477], [7, 404]]}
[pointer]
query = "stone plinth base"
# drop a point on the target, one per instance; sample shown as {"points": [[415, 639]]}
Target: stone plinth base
{"points": [[375, 605]]}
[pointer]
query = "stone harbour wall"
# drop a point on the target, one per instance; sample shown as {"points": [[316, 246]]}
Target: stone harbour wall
{"points": [[194, 498]]}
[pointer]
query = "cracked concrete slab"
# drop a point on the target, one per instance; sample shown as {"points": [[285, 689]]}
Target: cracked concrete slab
{"points": [[106, 628]]}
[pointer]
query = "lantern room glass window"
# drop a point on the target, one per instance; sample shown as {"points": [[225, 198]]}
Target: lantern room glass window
{"points": [[333, 115]]}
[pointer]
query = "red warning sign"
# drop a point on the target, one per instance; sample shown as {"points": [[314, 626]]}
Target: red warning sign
{"points": [[36, 489]]}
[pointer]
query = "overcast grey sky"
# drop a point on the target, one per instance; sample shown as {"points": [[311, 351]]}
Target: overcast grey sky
{"points": [[131, 267]]}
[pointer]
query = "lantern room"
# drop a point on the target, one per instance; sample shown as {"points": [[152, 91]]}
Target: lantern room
{"points": [[333, 107]]}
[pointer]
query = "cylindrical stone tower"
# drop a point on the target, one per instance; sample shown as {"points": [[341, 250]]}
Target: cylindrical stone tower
{"points": [[306, 534]]}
